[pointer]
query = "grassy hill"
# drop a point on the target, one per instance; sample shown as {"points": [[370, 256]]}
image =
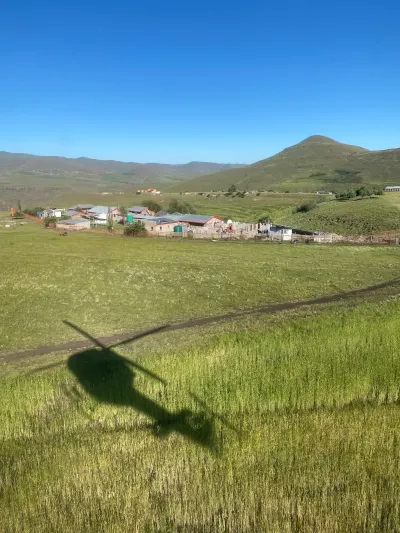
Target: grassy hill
{"points": [[39, 178], [315, 163], [355, 217]]}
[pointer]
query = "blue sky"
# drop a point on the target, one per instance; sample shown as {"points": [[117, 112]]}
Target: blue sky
{"points": [[180, 81]]}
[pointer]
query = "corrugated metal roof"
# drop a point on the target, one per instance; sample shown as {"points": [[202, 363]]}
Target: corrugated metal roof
{"points": [[144, 217], [104, 209], [74, 221], [70, 212], [197, 219]]}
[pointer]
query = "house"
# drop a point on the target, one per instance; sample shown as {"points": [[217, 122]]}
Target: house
{"points": [[73, 224], [140, 210], [82, 207], [202, 221], [47, 213], [158, 225], [72, 213], [392, 188], [282, 233], [102, 212]]}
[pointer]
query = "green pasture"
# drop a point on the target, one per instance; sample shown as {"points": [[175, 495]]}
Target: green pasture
{"points": [[286, 422], [110, 284], [291, 426]]}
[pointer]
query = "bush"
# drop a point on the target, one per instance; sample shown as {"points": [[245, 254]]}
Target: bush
{"points": [[152, 205], [49, 220], [306, 207], [33, 211], [18, 214], [232, 189], [179, 206], [264, 219], [136, 229]]}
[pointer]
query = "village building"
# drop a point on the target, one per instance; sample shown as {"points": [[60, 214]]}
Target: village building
{"points": [[47, 213], [100, 213], [392, 188], [199, 221], [72, 213], [73, 224], [84, 208], [140, 210]]}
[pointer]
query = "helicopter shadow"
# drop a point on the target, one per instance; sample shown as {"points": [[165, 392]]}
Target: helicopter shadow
{"points": [[109, 378]]}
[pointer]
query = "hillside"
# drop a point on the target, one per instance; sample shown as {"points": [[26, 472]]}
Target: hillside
{"points": [[34, 178], [315, 163], [357, 217], [20, 163]]}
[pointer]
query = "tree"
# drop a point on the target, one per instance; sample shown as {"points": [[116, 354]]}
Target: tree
{"points": [[19, 206], [179, 206], [152, 205], [123, 210], [110, 220], [232, 189], [137, 228]]}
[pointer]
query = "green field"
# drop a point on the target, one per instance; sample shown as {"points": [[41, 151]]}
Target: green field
{"points": [[283, 422], [357, 217]]}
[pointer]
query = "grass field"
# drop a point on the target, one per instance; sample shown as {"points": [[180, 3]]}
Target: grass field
{"points": [[110, 284], [283, 423], [357, 217]]}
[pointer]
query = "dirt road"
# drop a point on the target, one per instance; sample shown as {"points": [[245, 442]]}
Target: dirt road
{"points": [[126, 336]]}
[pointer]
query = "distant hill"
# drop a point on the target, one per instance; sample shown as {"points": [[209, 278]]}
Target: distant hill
{"points": [[20, 163], [32, 178], [315, 163]]}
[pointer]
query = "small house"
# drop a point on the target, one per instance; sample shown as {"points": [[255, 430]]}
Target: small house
{"points": [[102, 212], [282, 233], [140, 210], [202, 221], [73, 224], [392, 188], [49, 213]]}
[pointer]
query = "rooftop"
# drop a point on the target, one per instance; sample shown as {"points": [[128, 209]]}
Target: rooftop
{"points": [[101, 209], [74, 221], [137, 208]]}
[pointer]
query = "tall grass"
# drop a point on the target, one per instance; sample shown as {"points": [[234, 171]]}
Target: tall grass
{"points": [[305, 421]]}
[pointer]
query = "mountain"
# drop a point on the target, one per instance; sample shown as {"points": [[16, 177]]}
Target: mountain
{"points": [[316, 163], [54, 165]]}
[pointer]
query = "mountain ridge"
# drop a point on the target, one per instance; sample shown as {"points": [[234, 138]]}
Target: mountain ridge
{"points": [[313, 163]]}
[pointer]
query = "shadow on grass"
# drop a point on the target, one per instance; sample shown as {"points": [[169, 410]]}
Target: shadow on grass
{"points": [[109, 378]]}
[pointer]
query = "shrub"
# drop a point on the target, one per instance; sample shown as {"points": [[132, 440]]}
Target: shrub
{"points": [[152, 205], [49, 220], [136, 229], [306, 207], [18, 214], [264, 219], [33, 211], [179, 206]]}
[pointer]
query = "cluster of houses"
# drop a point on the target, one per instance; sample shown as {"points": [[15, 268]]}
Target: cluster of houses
{"points": [[85, 216]]}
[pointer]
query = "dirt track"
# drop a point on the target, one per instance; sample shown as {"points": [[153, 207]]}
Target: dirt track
{"points": [[122, 338]]}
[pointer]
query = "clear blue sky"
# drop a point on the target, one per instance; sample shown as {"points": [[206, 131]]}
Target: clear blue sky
{"points": [[175, 81]]}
